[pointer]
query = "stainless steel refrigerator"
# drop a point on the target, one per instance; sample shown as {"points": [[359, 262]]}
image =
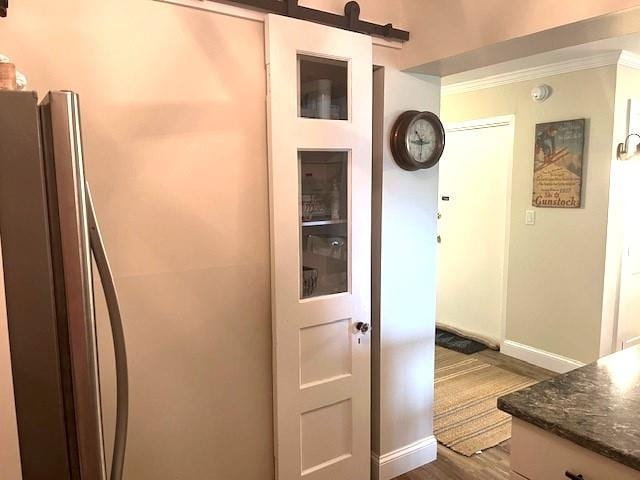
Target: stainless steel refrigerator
{"points": [[48, 236]]}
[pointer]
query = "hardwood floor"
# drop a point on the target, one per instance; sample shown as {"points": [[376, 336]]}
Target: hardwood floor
{"points": [[493, 463], [514, 365]]}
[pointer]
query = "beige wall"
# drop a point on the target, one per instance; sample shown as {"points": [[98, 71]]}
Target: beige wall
{"points": [[174, 126], [175, 138], [556, 268]]}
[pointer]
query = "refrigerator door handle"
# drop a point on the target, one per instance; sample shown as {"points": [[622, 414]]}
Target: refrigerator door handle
{"points": [[119, 346]]}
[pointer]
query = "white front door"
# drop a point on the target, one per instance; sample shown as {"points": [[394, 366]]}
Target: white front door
{"points": [[473, 204], [320, 102]]}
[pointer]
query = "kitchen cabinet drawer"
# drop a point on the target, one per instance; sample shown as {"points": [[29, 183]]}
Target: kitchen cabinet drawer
{"points": [[540, 455]]}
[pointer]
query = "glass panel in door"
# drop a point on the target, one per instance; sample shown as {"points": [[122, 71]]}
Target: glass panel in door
{"points": [[323, 86], [323, 222]]}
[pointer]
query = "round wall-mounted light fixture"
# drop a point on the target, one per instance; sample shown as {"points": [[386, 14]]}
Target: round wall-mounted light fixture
{"points": [[541, 93]]}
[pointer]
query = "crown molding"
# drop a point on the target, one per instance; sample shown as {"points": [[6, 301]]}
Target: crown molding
{"points": [[623, 57], [500, 121], [629, 59]]}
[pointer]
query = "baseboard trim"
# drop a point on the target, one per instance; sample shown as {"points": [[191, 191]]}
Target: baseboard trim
{"points": [[403, 460], [540, 358], [491, 343]]}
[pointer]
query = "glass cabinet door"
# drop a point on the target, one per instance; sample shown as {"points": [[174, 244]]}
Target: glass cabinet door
{"points": [[324, 243], [322, 86]]}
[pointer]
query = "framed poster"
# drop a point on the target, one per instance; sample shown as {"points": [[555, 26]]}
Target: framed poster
{"points": [[557, 171]]}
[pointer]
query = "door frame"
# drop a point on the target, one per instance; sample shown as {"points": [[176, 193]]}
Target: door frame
{"points": [[492, 122]]}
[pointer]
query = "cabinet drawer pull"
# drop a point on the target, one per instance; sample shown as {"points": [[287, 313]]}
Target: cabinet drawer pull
{"points": [[573, 476]]}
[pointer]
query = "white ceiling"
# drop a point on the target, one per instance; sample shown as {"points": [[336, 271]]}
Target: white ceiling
{"points": [[629, 43]]}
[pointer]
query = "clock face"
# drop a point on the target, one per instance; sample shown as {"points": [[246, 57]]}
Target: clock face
{"points": [[421, 140], [417, 140]]}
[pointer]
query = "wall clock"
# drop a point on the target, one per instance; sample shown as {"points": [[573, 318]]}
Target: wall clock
{"points": [[417, 140]]}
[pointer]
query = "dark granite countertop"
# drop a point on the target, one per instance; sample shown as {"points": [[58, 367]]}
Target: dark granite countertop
{"points": [[596, 406]]}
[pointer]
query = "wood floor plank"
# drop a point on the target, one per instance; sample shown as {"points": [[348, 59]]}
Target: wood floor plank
{"points": [[493, 463]]}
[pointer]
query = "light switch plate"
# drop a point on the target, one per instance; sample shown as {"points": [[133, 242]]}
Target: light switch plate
{"points": [[530, 217]]}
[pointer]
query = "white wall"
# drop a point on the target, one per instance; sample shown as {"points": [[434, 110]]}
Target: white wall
{"points": [[628, 328], [621, 299], [403, 347]]}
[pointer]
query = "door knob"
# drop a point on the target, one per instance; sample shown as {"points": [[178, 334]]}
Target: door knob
{"points": [[363, 327], [439, 239]]}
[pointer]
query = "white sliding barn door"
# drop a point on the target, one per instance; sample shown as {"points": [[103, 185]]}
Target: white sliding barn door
{"points": [[320, 102]]}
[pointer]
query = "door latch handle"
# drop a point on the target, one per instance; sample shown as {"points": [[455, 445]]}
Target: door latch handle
{"points": [[363, 327], [573, 476]]}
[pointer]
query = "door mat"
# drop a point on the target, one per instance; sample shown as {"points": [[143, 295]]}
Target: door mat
{"points": [[458, 343], [467, 419]]}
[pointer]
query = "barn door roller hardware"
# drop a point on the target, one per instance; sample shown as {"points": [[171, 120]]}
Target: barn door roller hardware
{"points": [[4, 4], [349, 21]]}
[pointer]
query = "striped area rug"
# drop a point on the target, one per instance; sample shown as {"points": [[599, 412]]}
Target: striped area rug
{"points": [[467, 419]]}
